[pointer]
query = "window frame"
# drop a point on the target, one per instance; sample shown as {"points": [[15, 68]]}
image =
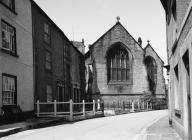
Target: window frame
{"points": [[13, 49], [47, 34], [15, 92], [127, 69], [50, 85], [12, 9], [47, 61]]}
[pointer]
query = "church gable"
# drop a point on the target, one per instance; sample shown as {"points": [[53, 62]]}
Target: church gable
{"points": [[159, 80], [117, 34], [118, 63], [149, 51]]}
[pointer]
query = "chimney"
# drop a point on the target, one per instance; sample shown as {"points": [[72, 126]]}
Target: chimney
{"points": [[83, 41], [140, 41]]}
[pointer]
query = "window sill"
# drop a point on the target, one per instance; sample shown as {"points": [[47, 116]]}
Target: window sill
{"points": [[177, 113], [12, 10], [9, 52], [119, 83]]}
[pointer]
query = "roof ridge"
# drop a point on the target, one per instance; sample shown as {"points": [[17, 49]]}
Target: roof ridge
{"points": [[149, 45], [112, 28]]}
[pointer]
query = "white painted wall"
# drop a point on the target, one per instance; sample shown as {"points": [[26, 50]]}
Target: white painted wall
{"points": [[22, 67]]}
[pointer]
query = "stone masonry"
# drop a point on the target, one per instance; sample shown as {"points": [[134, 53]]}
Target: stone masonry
{"points": [[138, 85]]}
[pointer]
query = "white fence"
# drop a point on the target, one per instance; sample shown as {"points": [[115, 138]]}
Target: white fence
{"points": [[130, 106], [70, 110]]}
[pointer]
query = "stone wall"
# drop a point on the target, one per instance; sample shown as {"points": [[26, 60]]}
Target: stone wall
{"points": [[138, 84], [160, 88], [178, 93]]}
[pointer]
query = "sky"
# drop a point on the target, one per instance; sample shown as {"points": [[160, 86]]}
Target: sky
{"points": [[90, 19]]}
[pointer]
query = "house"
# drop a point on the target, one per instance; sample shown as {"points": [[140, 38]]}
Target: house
{"points": [[58, 64], [16, 58], [179, 37], [120, 70]]}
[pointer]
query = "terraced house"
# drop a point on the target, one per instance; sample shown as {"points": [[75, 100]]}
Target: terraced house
{"points": [[58, 64], [179, 48], [16, 57], [38, 62]]}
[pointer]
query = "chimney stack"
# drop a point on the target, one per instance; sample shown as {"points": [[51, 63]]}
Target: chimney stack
{"points": [[140, 41]]}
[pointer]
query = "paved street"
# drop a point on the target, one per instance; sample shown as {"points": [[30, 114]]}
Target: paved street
{"points": [[122, 127]]}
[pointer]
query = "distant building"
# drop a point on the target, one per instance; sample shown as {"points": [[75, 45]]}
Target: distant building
{"points": [[59, 65], [16, 57], [80, 46], [179, 38], [119, 69]]}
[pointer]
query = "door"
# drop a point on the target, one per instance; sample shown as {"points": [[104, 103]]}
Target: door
{"points": [[61, 98]]}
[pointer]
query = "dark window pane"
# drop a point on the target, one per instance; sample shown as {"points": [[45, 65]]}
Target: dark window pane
{"points": [[124, 74], [118, 62], [119, 74], [48, 60], [114, 73], [127, 74], [113, 63]]}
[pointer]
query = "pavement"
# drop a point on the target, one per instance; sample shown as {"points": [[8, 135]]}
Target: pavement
{"points": [[161, 130], [135, 126], [9, 129]]}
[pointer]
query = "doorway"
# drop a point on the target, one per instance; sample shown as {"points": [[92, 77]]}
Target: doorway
{"points": [[60, 98]]}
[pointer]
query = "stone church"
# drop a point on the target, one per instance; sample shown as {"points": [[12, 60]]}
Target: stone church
{"points": [[119, 69]]}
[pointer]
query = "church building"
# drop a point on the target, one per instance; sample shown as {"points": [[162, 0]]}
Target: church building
{"points": [[119, 69]]}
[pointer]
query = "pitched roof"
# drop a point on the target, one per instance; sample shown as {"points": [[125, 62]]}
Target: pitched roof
{"points": [[165, 4], [118, 23], [79, 45], [149, 45], [53, 23]]}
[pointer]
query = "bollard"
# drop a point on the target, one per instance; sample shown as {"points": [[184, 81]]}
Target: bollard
{"points": [[98, 105], [83, 108], [143, 105], [55, 108], [38, 110], [123, 105], [71, 110], [132, 109], [94, 107], [138, 105]]}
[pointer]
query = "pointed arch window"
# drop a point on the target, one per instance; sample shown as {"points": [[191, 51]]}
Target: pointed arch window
{"points": [[118, 64]]}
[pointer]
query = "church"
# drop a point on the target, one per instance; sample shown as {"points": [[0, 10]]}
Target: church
{"points": [[119, 69]]}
